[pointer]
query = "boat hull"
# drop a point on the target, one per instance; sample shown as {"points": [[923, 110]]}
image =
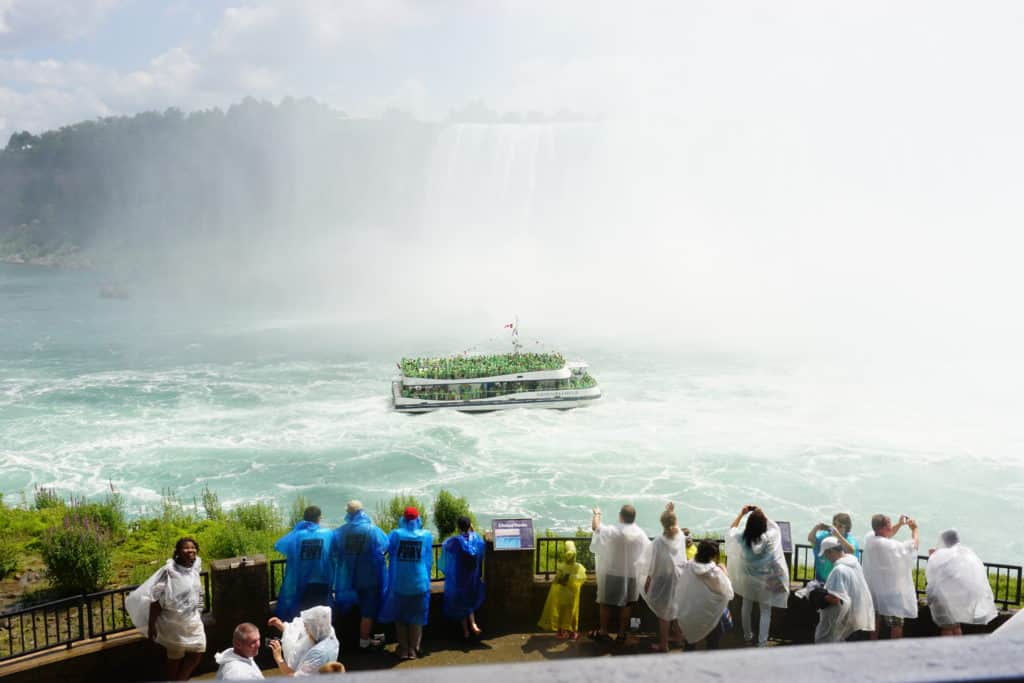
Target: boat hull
{"points": [[560, 400]]}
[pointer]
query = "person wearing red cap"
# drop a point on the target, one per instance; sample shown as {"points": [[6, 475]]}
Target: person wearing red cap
{"points": [[410, 549]]}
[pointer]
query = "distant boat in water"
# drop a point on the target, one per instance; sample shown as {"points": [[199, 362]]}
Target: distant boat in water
{"points": [[495, 382], [483, 383]]}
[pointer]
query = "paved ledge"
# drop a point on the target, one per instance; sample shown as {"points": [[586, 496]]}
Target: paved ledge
{"points": [[917, 660]]}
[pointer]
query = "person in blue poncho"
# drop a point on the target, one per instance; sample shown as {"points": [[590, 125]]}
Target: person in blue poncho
{"points": [[307, 576], [360, 573], [411, 555], [462, 556]]}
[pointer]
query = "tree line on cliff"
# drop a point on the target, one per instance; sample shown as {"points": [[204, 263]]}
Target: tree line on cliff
{"points": [[250, 171]]}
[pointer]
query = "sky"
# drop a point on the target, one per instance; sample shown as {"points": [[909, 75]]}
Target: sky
{"points": [[843, 161]]}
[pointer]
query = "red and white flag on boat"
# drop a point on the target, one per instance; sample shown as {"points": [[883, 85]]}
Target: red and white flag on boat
{"points": [[509, 326]]}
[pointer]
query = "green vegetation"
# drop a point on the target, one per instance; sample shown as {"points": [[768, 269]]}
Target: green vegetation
{"points": [[77, 555], [447, 509], [298, 509], [470, 367], [189, 180], [387, 514]]}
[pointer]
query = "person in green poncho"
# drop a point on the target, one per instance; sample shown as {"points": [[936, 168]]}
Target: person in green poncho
{"points": [[562, 608]]}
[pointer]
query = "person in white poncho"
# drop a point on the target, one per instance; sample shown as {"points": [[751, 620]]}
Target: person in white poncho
{"points": [[958, 589], [757, 569], [308, 642], [658, 573], [616, 549], [702, 596], [236, 663], [889, 570], [849, 607], [167, 608]]}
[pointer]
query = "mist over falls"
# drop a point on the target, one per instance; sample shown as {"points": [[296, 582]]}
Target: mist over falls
{"points": [[736, 232]]}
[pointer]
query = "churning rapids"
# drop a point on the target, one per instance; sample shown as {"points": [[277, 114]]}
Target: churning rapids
{"points": [[96, 390]]}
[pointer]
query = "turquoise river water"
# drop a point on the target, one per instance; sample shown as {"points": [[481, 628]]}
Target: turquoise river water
{"points": [[153, 397]]}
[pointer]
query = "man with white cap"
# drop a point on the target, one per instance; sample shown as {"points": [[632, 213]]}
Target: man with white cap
{"points": [[849, 607], [889, 570]]}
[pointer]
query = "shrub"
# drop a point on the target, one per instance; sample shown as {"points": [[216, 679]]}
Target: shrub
{"points": [[8, 557], [77, 555], [108, 513], [258, 516], [447, 510], [299, 506], [47, 498], [211, 504], [387, 514], [229, 538]]}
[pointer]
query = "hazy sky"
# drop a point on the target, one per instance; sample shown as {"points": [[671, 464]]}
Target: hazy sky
{"points": [[811, 161]]}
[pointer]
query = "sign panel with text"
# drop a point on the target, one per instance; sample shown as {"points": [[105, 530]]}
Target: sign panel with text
{"points": [[512, 534]]}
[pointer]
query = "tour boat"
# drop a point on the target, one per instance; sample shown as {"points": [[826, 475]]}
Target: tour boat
{"points": [[484, 383]]}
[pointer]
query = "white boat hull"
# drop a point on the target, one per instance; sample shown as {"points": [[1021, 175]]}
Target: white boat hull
{"points": [[562, 399]]}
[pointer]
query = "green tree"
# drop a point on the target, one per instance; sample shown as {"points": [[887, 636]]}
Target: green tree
{"points": [[447, 509], [388, 514], [77, 554]]}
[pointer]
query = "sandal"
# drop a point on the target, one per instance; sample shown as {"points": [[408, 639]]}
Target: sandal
{"points": [[574, 636], [599, 637], [658, 648], [561, 635]]}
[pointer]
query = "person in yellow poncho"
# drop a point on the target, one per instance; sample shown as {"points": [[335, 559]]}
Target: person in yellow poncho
{"points": [[562, 608]]}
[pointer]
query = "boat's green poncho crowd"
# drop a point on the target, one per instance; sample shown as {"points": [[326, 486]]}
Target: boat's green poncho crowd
{"points": [[470, 367]]}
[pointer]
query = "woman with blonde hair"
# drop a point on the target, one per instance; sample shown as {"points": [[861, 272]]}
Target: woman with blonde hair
{"points": [[658, 572]]}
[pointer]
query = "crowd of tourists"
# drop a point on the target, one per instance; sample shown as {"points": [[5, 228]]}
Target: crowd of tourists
{"points": [[859, 588], [328, 574]]}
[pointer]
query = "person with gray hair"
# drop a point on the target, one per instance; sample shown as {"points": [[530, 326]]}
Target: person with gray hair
{"points": [[889, 570], [958, 589], [236, 663], [360, 575]]}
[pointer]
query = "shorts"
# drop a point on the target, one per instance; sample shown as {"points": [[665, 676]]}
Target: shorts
{"points": [[617, 586], [369, 602], [178, 651], [890, 621]]}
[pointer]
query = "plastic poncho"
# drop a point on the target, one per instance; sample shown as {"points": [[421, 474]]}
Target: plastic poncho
{"points": [[888, 567], [306, 548], [411, 555], [462, 557], [616, 549], [855, 613], [179, 591], [562, 607], [822, 566], [232, 666], [703, 593], [357, 557], [320, 645], [958, 589], [659, 563], [758, 572]]}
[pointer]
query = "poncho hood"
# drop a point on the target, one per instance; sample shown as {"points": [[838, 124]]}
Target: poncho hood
{"points": [[410, 524], [229, 655], [318, 621], [358, 518]]}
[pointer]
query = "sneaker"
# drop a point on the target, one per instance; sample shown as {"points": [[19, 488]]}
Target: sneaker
{"points": [[370, 644]]}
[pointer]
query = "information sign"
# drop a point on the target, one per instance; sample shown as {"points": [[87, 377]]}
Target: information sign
{"points": [[787, 536], [512, 534]]}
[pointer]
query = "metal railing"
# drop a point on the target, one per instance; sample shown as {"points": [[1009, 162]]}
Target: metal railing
{"points": [[61, 623], [277, 568], [1007, 579]]}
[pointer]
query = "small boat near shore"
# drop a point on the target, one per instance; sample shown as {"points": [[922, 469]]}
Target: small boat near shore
{"points": [[493, 382]]}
